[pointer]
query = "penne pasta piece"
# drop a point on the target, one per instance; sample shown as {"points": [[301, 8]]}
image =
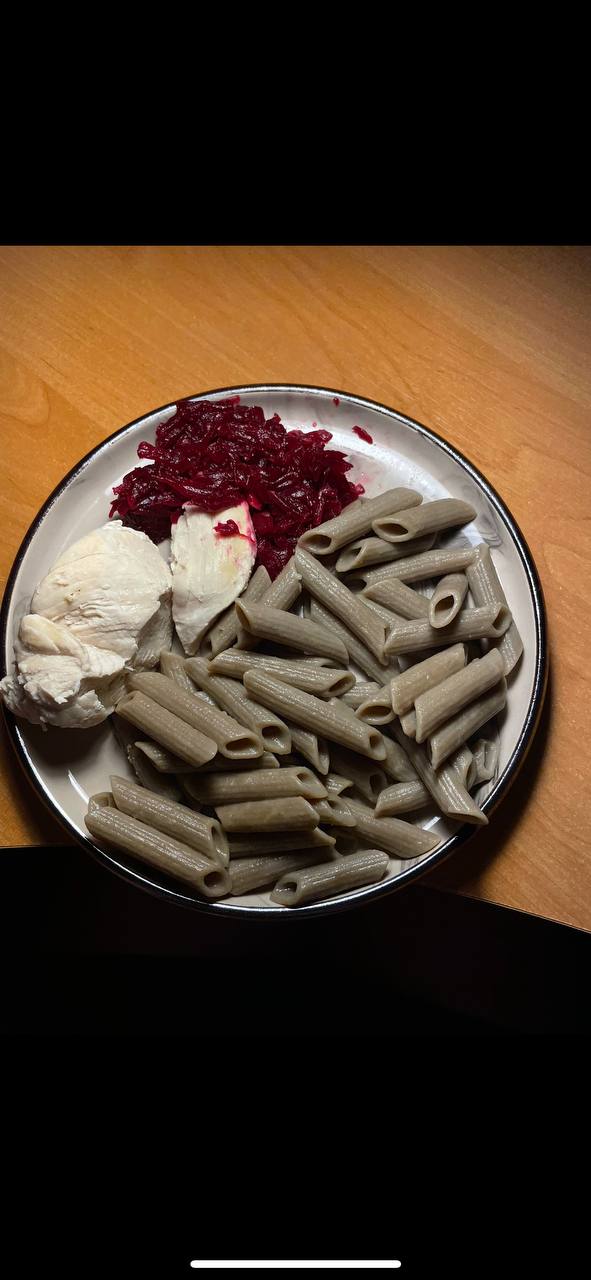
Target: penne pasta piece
{"points": [[460, 727], [171, 856], [310, 746], [169, 730], [367, 778], [220, 764], [377, 708], [388, 616], [243, 846], [232, 697], [291, 813], [436, 706], [368, 551], [397, 764], [409, 724], [485, 754], [409, 684], [172, 665], [176, 820], [334, 812], [472, 624], [263, 784], [355, 521], [462, 762], [255, 873], [398, 838], [335, 596], [430, 517], [485, 588], [336, 784], [149, 776], [162, 760], [448, 792], [282, 594], [314, 884], [358, 652], [430, 564], [232, 738], [447, 599], [402, 797], [223, 633], [310, 676], [360, 692], [399, 598], [314, 715], [289, 630]]}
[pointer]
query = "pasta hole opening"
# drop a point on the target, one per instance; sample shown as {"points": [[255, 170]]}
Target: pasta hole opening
{"points": [[341, 685], [347, 561], [355, 584], [215, 880], [274, 738], [394, 529], [374, 739], [242, 747], [502, 619], [289, 888], [443, 605], [318, 542]]}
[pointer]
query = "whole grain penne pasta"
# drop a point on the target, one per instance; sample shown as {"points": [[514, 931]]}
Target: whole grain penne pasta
{"points": [[149, 776], [314, 884], [315, 715], [232, 697], [176, 820], [402, 797], [355, 521], [335, 596], [310, 676], [447, 599], [439, 704], [334, 812], [232, 738], [365, 776], [249, 845], [409, 684], [172, 665], [310, 746], [223, 633], [368, 551], [254, 873], [171, 856], [399, 839], [429, 564], [282, 594], [336, 784], [291, 813], [162, 760], [485, 588], [377, 708], [444, 741], [220, 764], [262, 784], [184, 741], [472, 624], [400, 599], [463, 763], [430, 517], [448, 792], [291, 631], [408, 724], [396, 764], [360, 692], [388, 616], [485, 754], [358, 652]]}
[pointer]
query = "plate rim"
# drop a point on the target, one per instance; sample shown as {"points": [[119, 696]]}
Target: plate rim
{"points": [[361, 896]]}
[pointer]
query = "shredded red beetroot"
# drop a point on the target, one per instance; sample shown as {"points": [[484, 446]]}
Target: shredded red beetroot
{"points": [[363, 434], [218, 454], [228, 529]]}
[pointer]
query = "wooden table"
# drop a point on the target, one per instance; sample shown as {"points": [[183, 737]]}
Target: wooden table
{"points": [[489, 346]]}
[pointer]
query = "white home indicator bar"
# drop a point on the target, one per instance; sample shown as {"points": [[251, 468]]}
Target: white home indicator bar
{"points": [[291, 1265]]}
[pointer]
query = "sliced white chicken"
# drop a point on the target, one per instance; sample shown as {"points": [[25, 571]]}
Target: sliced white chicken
{"points": [[209, 571], [59, 680], [112, 589]]}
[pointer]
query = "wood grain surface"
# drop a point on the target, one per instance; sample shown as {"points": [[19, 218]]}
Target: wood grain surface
{"points": [[487, 345]]}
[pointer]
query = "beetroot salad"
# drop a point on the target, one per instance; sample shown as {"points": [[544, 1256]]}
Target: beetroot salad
{"points": [[214, 455]]}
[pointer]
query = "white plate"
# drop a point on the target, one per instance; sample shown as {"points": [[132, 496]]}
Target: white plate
{"points": [[66, 766]]}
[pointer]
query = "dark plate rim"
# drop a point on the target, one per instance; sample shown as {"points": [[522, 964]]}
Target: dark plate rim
{"points": [[405, 877]]}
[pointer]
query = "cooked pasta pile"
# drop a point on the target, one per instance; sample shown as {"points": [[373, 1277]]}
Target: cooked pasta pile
{"points": [[283, 755]]}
